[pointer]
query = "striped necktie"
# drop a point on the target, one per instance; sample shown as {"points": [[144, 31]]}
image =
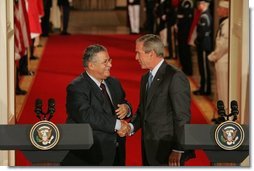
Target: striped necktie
{"points": [[106, 95]]}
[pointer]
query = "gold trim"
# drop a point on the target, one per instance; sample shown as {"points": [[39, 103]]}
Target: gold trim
{"points": [[51, 145], [217, 138]]}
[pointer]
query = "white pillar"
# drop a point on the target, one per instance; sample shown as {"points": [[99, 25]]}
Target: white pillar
{"points": [[7, 95]]}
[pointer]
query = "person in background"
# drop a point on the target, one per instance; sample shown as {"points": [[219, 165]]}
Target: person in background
{"points": [[98, 99], [184, 20], [164, 106], [204, 47], [35, 12], [149, 8], [171, 13], [220, 54], [161, 20], [134, 16], [45, 24], [65, 8]]}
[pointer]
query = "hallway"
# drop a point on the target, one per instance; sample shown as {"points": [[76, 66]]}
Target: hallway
{"points": [[114, 22]]}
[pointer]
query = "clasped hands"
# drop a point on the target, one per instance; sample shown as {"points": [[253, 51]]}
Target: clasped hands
{"points": [[125, 129]]}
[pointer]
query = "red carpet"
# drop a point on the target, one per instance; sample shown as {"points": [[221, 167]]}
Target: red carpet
{"points": [[62, 62]]}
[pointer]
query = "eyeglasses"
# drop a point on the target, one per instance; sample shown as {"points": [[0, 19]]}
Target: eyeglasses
{"points": [[107, 61]]}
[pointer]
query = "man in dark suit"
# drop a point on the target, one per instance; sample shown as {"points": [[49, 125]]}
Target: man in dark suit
{"points": [[164, 106], [98, 99]]}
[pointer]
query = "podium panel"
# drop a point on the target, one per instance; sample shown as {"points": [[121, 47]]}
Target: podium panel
{"points": [[72, 137], [202, 136]]}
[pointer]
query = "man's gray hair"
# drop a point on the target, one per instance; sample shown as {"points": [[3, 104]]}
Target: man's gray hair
{"points": [[152, 42], [91, 51]]}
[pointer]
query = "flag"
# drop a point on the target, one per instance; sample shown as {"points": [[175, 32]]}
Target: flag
{"points": [[21, 30]]}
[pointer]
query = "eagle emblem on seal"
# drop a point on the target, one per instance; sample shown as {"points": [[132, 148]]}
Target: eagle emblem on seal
{"points": [[44, 135], [229, 135]]}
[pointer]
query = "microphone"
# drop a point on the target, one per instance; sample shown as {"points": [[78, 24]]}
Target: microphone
{"points": [[51, 107], [220, 108], [221, 111], [38, 107], [234, 109]]}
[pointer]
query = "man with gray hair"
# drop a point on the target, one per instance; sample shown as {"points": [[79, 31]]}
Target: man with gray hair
{"points": [[164, 106], [98, 99]]}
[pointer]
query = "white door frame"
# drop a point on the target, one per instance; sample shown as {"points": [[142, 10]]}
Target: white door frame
{"points": [[7, 95]]}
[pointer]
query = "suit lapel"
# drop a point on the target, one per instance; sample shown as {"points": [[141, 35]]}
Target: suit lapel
{"points": [[112, 92], [155, 84], [98, 94]]}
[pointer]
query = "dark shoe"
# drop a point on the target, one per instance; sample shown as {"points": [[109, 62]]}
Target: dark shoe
{"points": [[34, 57], [44, 35], [197, 92], [20, 92], [132, 33], [201, 93], [30, 73], [64, 33]]}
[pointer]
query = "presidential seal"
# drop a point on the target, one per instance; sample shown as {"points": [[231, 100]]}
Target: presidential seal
{"points": [[229, 135], [44, 135]]}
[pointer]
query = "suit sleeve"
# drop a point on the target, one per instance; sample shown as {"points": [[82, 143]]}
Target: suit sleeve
{"points": [[136, 119], [80, 110], [180, 99]]}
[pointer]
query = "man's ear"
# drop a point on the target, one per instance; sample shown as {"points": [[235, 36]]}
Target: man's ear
{"points": [[90, 65], [152, 53]]}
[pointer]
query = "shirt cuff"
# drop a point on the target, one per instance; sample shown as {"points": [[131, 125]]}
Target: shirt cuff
{"points": [[178, 151], [118, 125], [132, 129], [129, 112]]}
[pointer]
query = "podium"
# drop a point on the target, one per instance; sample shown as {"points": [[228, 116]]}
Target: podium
{"points": [[72, 137], [202, 136]]}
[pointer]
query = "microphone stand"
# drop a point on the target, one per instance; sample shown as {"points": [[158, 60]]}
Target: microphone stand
{"points": [[44, 115]]}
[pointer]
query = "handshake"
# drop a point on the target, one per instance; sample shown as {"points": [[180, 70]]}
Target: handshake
{"points": [[125, 129]]}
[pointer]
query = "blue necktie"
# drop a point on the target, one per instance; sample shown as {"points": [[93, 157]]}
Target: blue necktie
{"points": [[150, 80]]}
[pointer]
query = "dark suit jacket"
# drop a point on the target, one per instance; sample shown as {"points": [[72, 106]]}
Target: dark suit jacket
{"points": [[204, 31], [86, 104], [163, 113]]}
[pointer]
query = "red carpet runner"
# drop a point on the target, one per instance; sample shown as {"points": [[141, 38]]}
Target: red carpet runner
{"points": [[62, 62]]}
